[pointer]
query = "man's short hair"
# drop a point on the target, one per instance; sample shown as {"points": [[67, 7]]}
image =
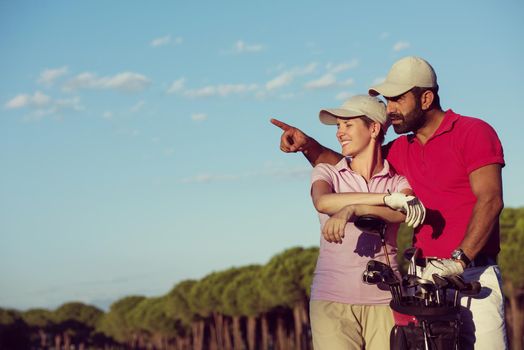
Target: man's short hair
{"points": [[418, 91]]}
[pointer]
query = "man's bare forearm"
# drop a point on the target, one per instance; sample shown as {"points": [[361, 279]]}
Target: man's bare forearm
{"points": [[315, 153], [486, 184], [483, 220]]}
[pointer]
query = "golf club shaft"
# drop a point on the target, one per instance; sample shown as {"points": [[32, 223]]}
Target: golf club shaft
{"points": [[386, 252], [383, 239]]}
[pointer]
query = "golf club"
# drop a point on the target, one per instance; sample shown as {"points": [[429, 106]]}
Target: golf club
{"points": [[412, 254], [374, 225]]}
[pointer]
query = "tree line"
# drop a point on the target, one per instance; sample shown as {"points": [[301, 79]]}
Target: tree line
{"points": [[254, 307]]}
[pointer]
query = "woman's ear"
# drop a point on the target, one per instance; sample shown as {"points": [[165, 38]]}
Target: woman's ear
{"points": [[375, 129]]}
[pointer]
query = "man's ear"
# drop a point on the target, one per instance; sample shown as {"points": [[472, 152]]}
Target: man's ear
{"points": [[426, 100]]}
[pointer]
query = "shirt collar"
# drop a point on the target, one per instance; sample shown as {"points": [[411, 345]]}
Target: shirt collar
{"points": [[343, 165], [447, 123]]}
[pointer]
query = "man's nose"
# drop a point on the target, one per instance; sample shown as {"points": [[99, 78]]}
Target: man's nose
{"points": [[390, 107]]}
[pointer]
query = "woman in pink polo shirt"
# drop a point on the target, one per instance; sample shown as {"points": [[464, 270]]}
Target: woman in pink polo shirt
{"points": [[345, 312]]}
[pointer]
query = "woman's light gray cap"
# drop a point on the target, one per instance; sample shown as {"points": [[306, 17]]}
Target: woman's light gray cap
{"points": [[357, 106]]}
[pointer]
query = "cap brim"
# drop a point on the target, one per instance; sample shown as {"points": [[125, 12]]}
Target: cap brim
{"points": [[329, 116], [389, 90]]}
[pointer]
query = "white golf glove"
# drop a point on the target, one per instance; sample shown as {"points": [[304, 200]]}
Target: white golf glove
{"points": [[442, 267], [409, 205]]}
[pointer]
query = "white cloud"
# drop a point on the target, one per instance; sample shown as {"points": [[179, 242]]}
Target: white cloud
{"points": [[401, 45], [168, 152], [107, 115], [37, 100], [310, 68], [328, 80], [290, 173], [344, 95], [268, 172], [126, 81], [37, 115], [228, 89], [138, 106], [384, 35], [341, 67], [206, 178], [325, 81], [199, 117], [378, 80], [313, 48], [285, 78], [166, 40], [43, 105], [40, 100], [162, 41], [276, 68], [18, 101], [128, 132], [288, 96], [222, 90], [176, 86], [82, 80], [68, 103], [242, 47], [280, 81], [261, 94], [311, 44], [347, 82], [205, 91], [48, 76]]}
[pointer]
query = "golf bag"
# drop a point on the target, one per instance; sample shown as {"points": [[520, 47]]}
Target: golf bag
{"points": [[424, 327], [428, 319]]}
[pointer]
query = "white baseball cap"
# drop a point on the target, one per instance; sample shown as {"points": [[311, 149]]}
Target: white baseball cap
{"points": [[357, 106], [404, 75]]}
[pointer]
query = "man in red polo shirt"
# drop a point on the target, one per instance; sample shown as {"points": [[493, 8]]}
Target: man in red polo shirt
{"points": [[453, 164]]}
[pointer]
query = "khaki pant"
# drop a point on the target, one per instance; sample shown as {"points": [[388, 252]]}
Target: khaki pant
{"points": [[346, 327]]}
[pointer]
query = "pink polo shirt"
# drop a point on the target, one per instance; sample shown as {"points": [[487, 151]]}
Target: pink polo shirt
{"points": [[338, 274], [439, 173]]}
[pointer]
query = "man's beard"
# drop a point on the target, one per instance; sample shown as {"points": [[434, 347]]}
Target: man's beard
{"points": [[411, 122]]}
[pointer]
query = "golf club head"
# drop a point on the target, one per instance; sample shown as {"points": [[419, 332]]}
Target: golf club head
{"points": [[412, 254], [370, 224], [440, 281], [428, 287], [389, 277], [456, 282], [371, 277], [410, 281], [472, 288], [375, 265]]}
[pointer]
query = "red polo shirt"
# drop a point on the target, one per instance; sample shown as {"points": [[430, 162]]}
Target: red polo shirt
{"points": [[439, 175]]}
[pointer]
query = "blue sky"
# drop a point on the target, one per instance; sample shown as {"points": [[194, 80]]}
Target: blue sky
{"points": [[135, 141]]}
